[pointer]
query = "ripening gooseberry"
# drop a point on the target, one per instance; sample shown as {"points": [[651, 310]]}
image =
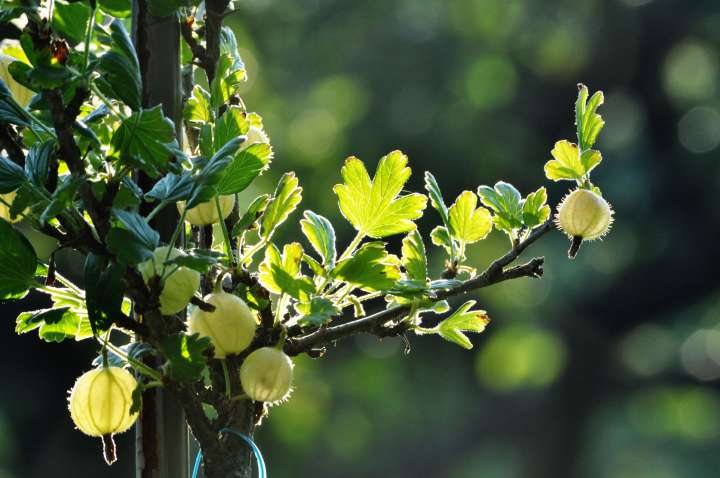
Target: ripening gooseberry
{"points": [[206, 213], [584, 216], [266, 375], [179, 286], [100, 404], [19, 93], [231, 326]]}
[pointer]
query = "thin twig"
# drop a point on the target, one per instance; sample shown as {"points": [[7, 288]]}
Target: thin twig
{"points": [[374, 323]]}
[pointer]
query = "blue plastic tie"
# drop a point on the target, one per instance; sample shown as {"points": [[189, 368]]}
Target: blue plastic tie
{"points": [[262, 472]]}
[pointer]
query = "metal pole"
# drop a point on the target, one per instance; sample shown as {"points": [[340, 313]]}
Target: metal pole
{"points": [[161, 433]]}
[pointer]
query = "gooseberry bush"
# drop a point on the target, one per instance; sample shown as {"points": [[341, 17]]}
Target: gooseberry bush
{"points": [[212, 310]]}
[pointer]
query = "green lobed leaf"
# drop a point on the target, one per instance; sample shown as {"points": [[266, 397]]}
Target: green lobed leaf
{"points": [[587, 120], [145, 140], [63, 198], [467, 222], [70, 20], [463, 320], [116, 8], [280, 273], [120, 69], [10, 111], [535, 210], [569, 163], [373, 207], [229, 75], [316, 312], [200, 260], [136, 224], [133, 350], [371, 268], [436, 199], [133, 241], [17, 263], [244, 167], [231, 124], [286, 198], [171, 188], [197, 108], [104, 291], [506, 202], [37, 162], [414, 260], [253, 213], [12, 176], [321, 235], [31, 320], [441, 238], [185, 356]]}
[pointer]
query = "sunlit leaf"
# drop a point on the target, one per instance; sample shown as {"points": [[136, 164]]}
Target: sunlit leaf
{"points": [[441, 238], [535, 211], [463, 320], [280, 273], [316, 312], [186, 360], [244, 167], [145, 140], [286, 198], [17, 262], [197, 108], [469, 223], [413, 259], [569, 163], [371, 268], [588, 122], [373, 207], [250, 217], [506, 203], [120, 69], [320, 233], [70, 20]]}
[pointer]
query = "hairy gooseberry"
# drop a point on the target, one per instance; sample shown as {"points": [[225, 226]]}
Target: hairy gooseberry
{"points": [[231, 326], [179, 286], [100, 404], [584, 216], [266, 375], [206, 213]]}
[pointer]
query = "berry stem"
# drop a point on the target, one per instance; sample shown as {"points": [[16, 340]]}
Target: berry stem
{"points": [[109, 449], [574, 246]]}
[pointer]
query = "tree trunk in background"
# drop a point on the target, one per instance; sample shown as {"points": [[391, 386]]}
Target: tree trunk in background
{"points": [[161, 433]]}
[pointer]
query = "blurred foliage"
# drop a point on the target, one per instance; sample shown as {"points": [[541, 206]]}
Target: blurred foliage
{"points": [[607, 367]]}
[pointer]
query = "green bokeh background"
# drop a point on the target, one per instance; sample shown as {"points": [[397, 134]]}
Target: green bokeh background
{"points": [[605, 368]]}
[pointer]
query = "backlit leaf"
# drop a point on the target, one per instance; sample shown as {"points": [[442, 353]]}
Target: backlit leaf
{"points": [[373, 207]]}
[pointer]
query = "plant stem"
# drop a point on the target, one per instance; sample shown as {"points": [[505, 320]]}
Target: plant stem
{"points": [[226, 374], [253, 250], [136, 364], [156, 210], [352, 246], [88, 37], [226, 235], [118, 116]]}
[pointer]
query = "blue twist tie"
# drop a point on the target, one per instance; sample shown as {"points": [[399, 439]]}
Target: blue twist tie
{"points": [[262, 472]]}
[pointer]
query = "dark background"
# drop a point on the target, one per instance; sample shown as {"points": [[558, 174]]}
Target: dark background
{"points": [[605, 368]]}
